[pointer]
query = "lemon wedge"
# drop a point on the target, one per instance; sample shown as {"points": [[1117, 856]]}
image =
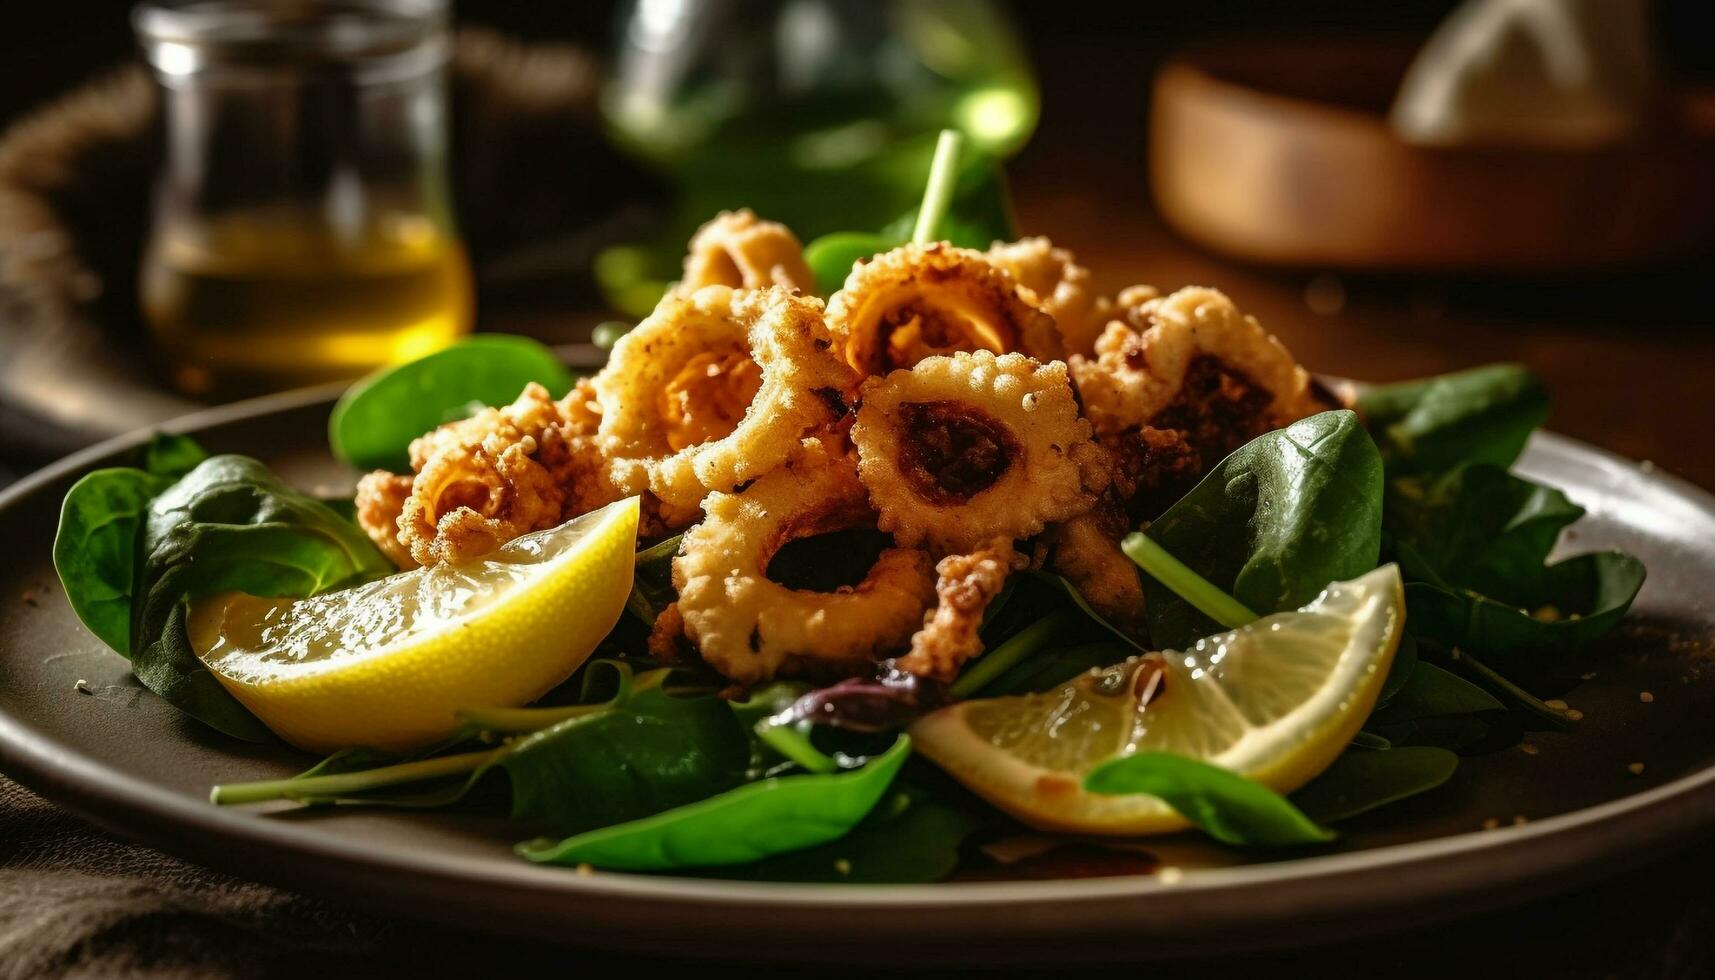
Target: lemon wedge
{"points": [[1276, 700], [386, 664]]}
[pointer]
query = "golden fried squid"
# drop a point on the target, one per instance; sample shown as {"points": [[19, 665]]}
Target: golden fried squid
{"points": [[962, 448], [751, 628], [1051, 280], [485, 480], [1180, 381], [1086, 551], [380, 500], [739, 250], [965, 586], [1183, 355], [921, 300], [715, 389]]}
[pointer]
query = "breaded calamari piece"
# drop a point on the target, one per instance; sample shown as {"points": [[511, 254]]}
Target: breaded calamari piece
{"points": [[716, 389], [965, 585], [1146, 372], [380, 500], [739, 250], [1051, 280], [961, 448], [921, 300], [751, 628], [503, 472], [1086, 551]]}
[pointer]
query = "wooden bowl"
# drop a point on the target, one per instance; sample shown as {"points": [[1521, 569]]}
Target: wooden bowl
{"points": [[1281, 154]]}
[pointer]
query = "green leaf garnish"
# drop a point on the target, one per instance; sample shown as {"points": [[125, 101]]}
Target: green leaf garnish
{"points": [[1221, 803], [1272, 525], [374, 422], [772, 816]]}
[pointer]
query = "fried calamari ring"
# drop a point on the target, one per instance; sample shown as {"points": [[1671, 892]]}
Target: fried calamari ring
{"points": [[1051, 280], [920, 300], [751, 628], [739, 250], [380, 500], [716, 389], [960, 449], [503, 472], [965, 586], [1180, 352]]}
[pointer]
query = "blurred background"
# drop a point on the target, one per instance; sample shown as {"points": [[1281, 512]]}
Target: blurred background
{"points": [[1245, 146]]}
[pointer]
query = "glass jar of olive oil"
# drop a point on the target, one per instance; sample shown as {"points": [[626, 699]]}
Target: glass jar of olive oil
{"points": [[303, 227]]}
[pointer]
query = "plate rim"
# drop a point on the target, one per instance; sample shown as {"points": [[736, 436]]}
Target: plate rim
{"points": [[1518, 862]]}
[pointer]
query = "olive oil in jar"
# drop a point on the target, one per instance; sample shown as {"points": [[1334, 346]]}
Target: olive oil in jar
{"points": [[265, 299]]}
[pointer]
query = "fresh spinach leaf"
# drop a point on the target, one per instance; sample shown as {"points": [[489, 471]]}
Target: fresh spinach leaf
{"points": [[1573, 603], [1273, 524], [230, 525], [95, 549], [1473, 545], [101, 519], [1361, 781], [651, 752], [1477, 525], [374, 422], [832, 256], [909, 838], [1431, 692], [169, 454], [1223, 804], [1483, 415], [642, 750], [744, 825]]}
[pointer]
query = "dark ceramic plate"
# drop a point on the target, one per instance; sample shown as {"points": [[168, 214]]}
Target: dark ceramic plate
{"points": [[126, 760]]}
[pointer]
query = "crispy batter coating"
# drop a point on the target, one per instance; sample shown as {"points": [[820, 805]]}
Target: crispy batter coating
{"points": [[739, 250], [1086, 551], [965, 586], [751, 628], [662, 388], [921, 300], [963, 448], [503, 472], [1051, 280], [1153, 467], [666, 643], [380, 500], [1142, 362]]}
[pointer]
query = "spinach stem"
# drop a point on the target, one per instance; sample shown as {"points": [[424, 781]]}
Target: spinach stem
{"points": [[938, 194], [513, 721], [1020, 645], [1525, 699], [793, 742], [310, 788], [1185, 583]]}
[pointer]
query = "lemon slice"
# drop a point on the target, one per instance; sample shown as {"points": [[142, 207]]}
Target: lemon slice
{"points": [[386, 664], [1276, 700]]}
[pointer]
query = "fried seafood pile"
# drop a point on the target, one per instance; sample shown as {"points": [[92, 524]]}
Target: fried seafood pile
{"points": [[985, 410]]}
